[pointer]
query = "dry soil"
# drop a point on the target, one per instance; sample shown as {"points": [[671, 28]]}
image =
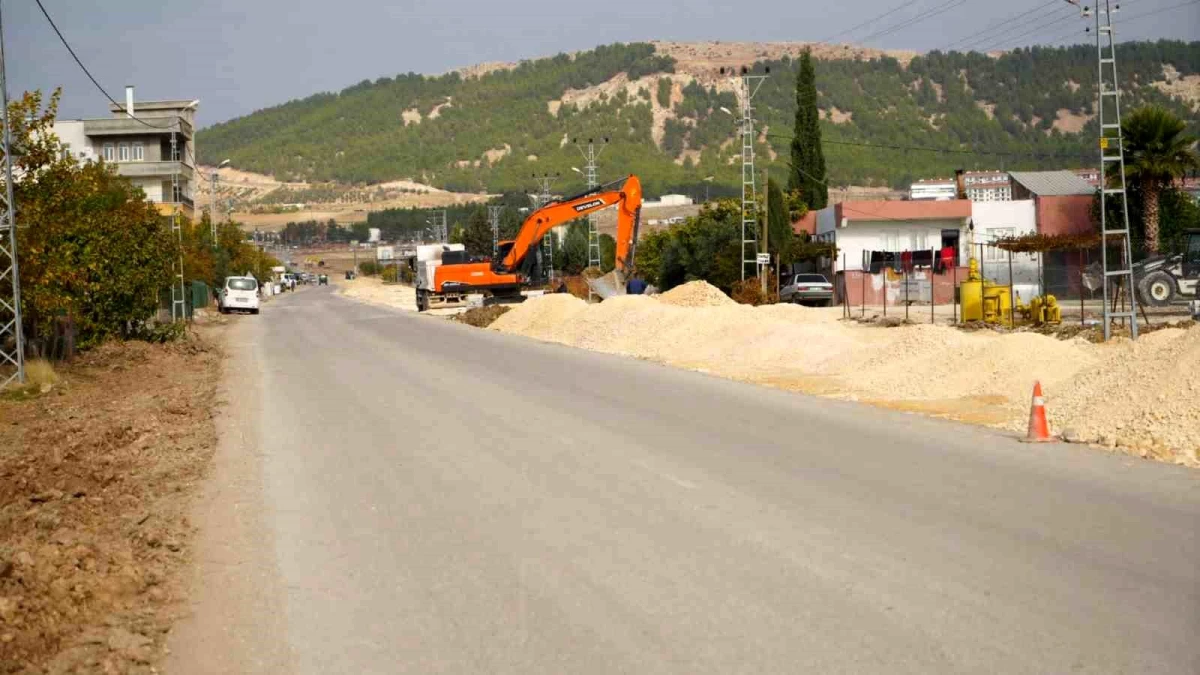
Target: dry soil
{"points": [[94, 480]]}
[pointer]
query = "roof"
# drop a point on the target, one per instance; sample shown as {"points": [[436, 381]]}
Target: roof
{"points": [[169, 105], [903, 210], [1052, 183]]}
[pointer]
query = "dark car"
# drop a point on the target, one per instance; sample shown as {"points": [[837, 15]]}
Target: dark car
{"points": [[323, 280]]}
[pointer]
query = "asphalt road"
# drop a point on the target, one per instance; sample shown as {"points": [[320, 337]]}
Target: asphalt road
{"points": [[400, 494]]}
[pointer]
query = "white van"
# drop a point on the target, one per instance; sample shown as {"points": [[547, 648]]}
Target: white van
{"points": [[240, 294]]}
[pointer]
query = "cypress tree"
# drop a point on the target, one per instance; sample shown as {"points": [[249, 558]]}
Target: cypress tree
{"points": [[808, 160]]}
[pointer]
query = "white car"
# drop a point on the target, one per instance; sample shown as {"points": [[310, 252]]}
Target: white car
{"points": [[240, 294], [808, 288]]}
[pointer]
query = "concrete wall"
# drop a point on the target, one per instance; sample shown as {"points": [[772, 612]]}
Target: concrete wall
{"points": [[890, 285], [1070, 214], [70, 132], [151, 186]]}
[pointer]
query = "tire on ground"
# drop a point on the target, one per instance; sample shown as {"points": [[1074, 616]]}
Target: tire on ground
{"points": [[1156, 289]]}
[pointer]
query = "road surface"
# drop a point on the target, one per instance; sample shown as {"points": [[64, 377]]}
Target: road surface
{"points": [[395, 493]]}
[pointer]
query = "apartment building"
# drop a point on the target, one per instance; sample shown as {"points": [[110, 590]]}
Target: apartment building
{"points": [[937, 189], [987, 186], [139, 146]]}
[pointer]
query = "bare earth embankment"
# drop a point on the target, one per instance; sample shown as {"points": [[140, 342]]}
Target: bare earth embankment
{"points": [[980, 377], [95, 478]]}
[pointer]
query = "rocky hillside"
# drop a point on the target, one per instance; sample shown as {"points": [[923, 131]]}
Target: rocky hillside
{"points": [[491, 126]]}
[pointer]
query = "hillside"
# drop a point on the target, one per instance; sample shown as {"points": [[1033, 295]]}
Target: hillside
{"points": [[489, 127]]}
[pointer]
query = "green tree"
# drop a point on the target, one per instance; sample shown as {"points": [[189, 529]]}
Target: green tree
{"points": [[1157, 151], [477, 235], [93, 249], [608, 253], [807, 172], [779, 222], [664, 92]]}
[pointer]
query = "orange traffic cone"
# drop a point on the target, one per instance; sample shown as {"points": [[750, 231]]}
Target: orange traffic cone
{"points": [[1039, 429]]}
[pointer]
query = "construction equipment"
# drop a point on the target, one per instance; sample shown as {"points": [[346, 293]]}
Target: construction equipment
{"points": [[1161, 280], [454, 275], [982, 300], [1042, 309]]}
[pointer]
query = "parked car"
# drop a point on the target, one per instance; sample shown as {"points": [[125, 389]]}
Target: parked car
{"points": [[239, 294], [323, 280], [808, 289]]}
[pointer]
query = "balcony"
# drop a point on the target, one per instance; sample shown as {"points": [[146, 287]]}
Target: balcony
{"points": [[162, 170], [124, 126]]}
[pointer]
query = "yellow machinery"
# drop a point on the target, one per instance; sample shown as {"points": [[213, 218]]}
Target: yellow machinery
{"points": [[982, 300], [1042, 309]]}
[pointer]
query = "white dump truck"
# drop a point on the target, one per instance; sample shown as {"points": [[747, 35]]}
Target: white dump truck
{"points": [[428, 258]]}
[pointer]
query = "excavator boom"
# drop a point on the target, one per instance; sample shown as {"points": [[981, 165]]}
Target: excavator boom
{"points": [[626, 194], [504, 277]]}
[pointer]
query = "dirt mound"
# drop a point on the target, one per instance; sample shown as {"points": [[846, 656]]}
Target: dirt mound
{"points": [[536, 317], [481, 317], [696, 294], [1143, 396], [92, 506]]}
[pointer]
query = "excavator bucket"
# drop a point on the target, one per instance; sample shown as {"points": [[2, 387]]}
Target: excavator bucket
{"points": [[609, 285]]}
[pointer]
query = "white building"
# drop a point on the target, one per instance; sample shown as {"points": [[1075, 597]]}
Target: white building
{"points": [[994, 221], [668, 201], [987, 186], [141, 148]]}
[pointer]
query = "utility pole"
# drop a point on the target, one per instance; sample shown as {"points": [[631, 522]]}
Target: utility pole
{"points": [[1118, 273], [494, 218], [12, 338], [438, 223], [748, 86], [590, 156], [540, 199], [764, 269], [178, 302]]}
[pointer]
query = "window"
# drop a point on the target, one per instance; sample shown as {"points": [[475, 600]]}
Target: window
{"points": [[123, 152], [110, 152], [992, 253], [139, 152]]}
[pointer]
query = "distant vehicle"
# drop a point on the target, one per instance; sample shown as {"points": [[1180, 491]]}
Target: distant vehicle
{"points": [[806, 289], [323, 280], [240, 294]]}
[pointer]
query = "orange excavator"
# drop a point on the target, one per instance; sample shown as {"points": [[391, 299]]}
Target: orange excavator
{"points": [[505, 276]]}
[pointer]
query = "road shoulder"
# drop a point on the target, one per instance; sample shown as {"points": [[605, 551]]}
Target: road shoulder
{"points": [[236, 620]]}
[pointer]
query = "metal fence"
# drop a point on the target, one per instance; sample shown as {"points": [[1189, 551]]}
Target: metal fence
{"points": [[913, 286]]}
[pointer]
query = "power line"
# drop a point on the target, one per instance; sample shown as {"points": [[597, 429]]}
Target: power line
{"points": [[953, 151], [999, 28], [940, 9], [87, 72], [870, 21], [997, 41], [1130, 19]]}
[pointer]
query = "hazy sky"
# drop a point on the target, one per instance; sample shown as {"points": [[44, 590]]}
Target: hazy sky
{"points": [[240, 55]]}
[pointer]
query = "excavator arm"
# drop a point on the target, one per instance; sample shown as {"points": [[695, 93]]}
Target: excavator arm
{"points": [[626, 194]]}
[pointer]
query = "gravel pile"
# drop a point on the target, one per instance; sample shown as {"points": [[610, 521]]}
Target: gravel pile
{"points": [[696, 294], [942, 369], [1143, 396]]}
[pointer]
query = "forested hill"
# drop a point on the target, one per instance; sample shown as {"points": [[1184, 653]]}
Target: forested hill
{"points": [[660, 106]]}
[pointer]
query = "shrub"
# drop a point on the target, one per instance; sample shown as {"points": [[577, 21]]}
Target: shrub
{"points": [[368, 268], [388, 274], [749, 292]]}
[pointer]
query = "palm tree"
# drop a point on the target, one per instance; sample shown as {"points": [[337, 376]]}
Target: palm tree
{"points": [[1156, 152]]}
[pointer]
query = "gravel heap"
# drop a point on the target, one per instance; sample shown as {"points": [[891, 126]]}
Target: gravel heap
{"points": [[696, 294], [1142, 397]]}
